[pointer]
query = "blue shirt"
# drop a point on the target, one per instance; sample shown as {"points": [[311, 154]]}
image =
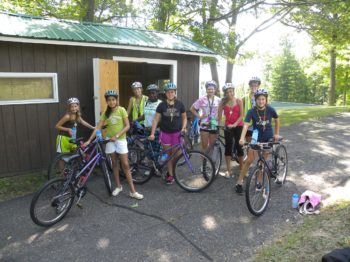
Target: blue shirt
{"points": [[260, 119]]}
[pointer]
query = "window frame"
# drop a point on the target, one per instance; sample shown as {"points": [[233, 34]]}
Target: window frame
{"points": [[53, 77]]}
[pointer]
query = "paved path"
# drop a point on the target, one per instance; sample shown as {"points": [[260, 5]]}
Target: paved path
{"points": [[172, 225]]}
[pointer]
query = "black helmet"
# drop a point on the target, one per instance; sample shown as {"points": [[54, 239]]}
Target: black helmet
{"points": [[152, 87], [210, 83], [111, 93], [254, 79], [261, 92]]}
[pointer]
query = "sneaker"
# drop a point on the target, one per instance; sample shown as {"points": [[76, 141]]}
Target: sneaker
{"points": [[136, 195], [239, 188], [169, 179], [117, 190]]}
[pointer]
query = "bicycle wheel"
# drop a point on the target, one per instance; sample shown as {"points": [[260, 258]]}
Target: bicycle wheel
{"points": [[215, 153], [52, 202], [141, 167], [257, 194], [281, 162], [195, 173], [107, 174], [60, 168]]}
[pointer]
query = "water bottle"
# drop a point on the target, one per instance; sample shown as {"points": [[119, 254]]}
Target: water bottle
{"points": [[255, 136], [295, 200], [213, 123], [74, 133], [163, 158], [98, 134]]}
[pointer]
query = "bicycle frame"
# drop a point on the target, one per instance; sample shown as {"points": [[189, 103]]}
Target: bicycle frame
{"points": [[262, 161]]}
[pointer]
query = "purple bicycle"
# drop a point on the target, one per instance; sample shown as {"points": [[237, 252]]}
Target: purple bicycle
{"points": [[193, 170], [54, 199]]}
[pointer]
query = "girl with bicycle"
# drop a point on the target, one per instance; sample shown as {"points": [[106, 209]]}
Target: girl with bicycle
{"points": [[65, 125], [208, 106], [232, 108], [116, 119], [261, 115], [172, 120], [136, 103]]}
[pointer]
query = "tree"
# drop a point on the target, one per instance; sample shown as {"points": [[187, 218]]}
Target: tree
{"points": [[83, 10], [328, 23], [288, 80]]}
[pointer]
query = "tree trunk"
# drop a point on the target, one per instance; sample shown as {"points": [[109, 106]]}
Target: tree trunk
{"points": [[229, 70], [331, 91], [90, 10], [345, 86]]}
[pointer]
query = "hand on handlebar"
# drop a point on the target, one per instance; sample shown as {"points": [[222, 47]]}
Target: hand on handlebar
{"points": [[151, 137]]}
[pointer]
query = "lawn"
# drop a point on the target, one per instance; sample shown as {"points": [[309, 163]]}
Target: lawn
{"points": [[301, 114], [315, 237]]}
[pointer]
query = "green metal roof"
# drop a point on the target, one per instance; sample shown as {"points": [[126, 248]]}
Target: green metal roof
{"points": [[29, 27]]}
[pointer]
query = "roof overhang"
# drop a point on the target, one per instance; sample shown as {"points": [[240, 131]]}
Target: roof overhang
{"points": [[111, 46]]}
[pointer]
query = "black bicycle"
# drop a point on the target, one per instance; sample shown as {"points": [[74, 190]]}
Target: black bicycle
{"points": [[54, 199], [258, 184]]}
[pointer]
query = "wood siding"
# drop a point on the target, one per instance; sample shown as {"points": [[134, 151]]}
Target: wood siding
{"points": [[27, 132]]}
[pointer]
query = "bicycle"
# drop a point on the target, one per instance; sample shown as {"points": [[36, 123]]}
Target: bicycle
{"points": [[215, 150], [193, 170], [56, 196], [258, 184]]}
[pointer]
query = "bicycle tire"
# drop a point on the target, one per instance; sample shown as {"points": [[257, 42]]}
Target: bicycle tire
{"points": [[192, 180], [140, 171], [253, 194], [106, 173], [55, 170], [281, 162], [215, 153], [62, 189]]}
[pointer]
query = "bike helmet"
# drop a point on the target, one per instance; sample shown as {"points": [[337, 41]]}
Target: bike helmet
{"points": [[228, 86], [210, 83], [169, 86], [152, 87], [136, 85], [254, 79], [111, 93], [261, 92], [73, 100]]}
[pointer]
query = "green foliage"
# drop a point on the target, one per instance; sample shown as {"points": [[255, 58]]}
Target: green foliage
{"points": [[288, 80]]}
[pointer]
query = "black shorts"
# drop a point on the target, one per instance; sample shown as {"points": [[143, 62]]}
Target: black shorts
{"points": [[210, 131]]}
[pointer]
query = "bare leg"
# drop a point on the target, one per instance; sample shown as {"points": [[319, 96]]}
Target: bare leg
{"points": [[228, 166], [247, 163], [204, 140], [115, 169], [125, 165]]}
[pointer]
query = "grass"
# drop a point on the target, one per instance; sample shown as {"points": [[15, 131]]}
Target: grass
{"points": [[20, 185], [298, 115], [315, 237]]}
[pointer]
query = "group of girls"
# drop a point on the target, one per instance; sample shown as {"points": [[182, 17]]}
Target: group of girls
{"points": [[165, 120]]}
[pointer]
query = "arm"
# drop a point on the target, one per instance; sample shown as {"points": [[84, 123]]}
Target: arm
{"points": [[240, 118], [184, 122], [124, 130], [194, 111], [99, 126], [155, 122], [244, 132], [128, 110], [277, 129], [86, 124], [220, 109], [59, 124]]}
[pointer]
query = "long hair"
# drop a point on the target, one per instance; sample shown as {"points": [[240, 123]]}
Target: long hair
{"points": [[77, 115], [225, 98], [109, 109]]}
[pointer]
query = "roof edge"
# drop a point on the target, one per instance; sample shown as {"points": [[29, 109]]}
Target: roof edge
{"points": [[5, 38]]}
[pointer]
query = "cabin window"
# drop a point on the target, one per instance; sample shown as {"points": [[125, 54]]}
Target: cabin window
{"points": [[28, 88]]}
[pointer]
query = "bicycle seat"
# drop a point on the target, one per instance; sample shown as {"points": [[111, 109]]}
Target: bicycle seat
{"points": [[69, 157]]}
